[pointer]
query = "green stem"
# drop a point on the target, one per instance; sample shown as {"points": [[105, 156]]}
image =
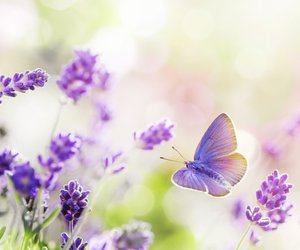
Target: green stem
{"points": [[35, 204], [243, 237], [62, 103], [24, 245]]}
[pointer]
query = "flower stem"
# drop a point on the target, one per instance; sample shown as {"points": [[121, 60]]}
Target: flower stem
{"points": [[62, 103], [243, 237]]}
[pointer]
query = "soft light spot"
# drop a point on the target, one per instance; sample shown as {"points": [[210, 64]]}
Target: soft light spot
{"points": [[59, 4], [117, 49], [251, 63], [140, 200], [247, 144], [16, 21], [143, 17], [198, 24]]}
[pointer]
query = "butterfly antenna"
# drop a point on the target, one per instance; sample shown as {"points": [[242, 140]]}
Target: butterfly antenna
{"points": [[163, 158], [179, 153]]}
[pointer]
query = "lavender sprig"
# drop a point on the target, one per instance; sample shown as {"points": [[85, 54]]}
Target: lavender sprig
{"points": [[254, 238], [81, 74], [73, 201], [273, 207], [256, 217], [25, 180], [62, 148], [7, 161], [136, 235], [78, 243], [278, 216], [273, 191], [154, 135], [21, 82]]}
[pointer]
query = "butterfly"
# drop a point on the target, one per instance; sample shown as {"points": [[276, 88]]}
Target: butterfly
{"points": [[216, 167]]}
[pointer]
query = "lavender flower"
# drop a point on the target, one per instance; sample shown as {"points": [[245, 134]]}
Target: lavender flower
{"points": [[136, 235], [278, 216], [238, 209], [154, 135], [272, 150], [50, 181], [65, 146], [62, 148], [22, 82], [81, 74], [7, 161], [293, 126], [99, 243], [73, 201], [273, 208], [102, 79], [273, 191], [254, 238], [104, 113], [256, 217], [111, 160], [25, 180], [78, 243]]}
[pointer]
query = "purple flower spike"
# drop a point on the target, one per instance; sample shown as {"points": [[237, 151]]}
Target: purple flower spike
{"points": [[293, 126], [278, 216], [65, 146], [78, 243], [255, 216], [136, 235], [273, 191], [7, 161], [73, 201], [22, 82], [112, 162], [154, 135], [254, 238], [62, 148], [77, 77], [81, 74], [104, 114], [25, 180], [102, 79], [272, 150], [99, 243], [238, 209]]}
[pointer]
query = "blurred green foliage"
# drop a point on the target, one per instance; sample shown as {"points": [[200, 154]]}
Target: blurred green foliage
{"points": [[168, 235]]}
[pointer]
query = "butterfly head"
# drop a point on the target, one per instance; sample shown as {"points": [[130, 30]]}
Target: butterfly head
{"points": [[195, 165]]}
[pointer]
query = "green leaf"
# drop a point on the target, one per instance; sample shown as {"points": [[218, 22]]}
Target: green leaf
{"points": [[2, 231], [50, 218]]}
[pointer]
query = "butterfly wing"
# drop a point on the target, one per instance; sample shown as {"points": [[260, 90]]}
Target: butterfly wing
{"points": [[219, 140], [232, 167], [191, 179], [215, 188]]}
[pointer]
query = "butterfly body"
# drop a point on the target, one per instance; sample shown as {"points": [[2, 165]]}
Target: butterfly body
{"points": [[205, 171], [216, 168]]}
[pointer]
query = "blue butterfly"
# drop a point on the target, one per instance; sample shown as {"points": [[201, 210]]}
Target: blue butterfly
{"points": [[216, 168]]}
